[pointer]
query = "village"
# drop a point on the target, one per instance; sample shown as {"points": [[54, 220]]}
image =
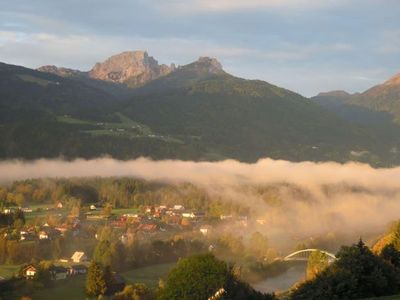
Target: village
{"points": [[54, 232], [148, 223], [151, 221]]}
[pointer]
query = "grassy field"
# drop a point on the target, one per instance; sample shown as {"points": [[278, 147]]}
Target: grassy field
{"points": [[44, 210], [74, 287], [121, 211], [69, 289], [117, 211], [126, 127], [70, 120], [148, 275], [7, 271]]}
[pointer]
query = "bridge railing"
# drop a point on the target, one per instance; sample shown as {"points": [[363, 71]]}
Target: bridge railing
{"points": [[302, 255]]}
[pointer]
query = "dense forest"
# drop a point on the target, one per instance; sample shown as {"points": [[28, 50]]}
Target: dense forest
{"points": [[193, 113]]}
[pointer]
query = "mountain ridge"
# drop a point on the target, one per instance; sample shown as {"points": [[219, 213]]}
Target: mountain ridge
{"points": [[197, 111], [384, 97], [132, 68]]}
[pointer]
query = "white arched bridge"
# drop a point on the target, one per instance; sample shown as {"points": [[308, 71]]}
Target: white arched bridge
{"points": [[303, 255]]}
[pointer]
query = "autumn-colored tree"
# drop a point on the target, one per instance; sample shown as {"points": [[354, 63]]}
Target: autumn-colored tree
{"points": [[396, 236], [95, 281], [136, 291], [317, 262]]}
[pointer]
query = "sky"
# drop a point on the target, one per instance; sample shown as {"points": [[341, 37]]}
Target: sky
{"points": [[307, 46]]}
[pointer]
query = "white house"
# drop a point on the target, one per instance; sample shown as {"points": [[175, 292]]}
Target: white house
{"points": [[7, 211], [78, 257], [179, 207], [190, 215], [30, 272], [43, 235]]}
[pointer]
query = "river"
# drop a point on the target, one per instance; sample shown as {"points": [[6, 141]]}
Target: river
{"points": [[282, 282]]}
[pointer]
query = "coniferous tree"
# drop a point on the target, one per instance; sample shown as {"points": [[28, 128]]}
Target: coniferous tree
{"points": [[356, 274], [391, 254]]}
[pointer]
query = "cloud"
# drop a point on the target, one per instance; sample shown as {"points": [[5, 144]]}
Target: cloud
{"points": [[253, 39], [47, 48], [315, 198], [389, 43], [229, 171], [7, 36], [196, 6]]}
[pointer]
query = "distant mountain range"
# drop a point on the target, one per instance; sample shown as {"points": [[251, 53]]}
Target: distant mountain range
{"points": [[132, 68], [384, 97], [130, 106]]}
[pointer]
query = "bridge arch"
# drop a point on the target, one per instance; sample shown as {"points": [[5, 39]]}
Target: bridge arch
{"points": [[303, 255]]}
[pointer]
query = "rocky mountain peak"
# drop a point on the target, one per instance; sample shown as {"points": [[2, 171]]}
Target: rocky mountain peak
{"points": [[394, 81], [134, 68], [211, 64]]}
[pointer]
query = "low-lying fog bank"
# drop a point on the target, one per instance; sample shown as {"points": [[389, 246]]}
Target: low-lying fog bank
{"points": [[314, 198]]}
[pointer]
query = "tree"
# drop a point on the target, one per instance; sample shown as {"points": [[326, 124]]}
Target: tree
{"points": [[231, 244], [56, 248], [110, 254], [300, 246], [19, 215], [317, 262], [75, 205], [102, 253], [18, 224], [19, 199], [136, 291], [107, 210], [118, 255], [95, 281], [396, 236], [196, 277], [391, 254], [43, 274], [3, 249], [3, 194], [10, 198], [356, 274], [201, 276], [107, 234], [258, 245]]}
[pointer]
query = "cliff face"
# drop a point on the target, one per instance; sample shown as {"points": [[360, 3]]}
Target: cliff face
{"points": [[134, 68], [63, 72]]}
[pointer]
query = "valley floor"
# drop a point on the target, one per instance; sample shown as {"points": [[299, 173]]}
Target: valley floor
{"points": [[73, 288]]}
